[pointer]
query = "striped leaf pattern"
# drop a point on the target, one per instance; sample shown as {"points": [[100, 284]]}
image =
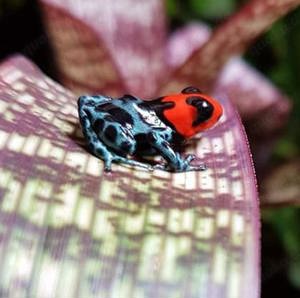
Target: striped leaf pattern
{"points": [[69, 230]]}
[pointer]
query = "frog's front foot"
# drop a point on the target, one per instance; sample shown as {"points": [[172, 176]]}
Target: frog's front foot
{"points": [[201, 167], [107, 164], [189, 158], [181, 165], [189, 167], [184, 164], [108, 158]]}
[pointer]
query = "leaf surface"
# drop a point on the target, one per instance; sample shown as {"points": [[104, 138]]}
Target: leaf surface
{"points": [[68, 229]]}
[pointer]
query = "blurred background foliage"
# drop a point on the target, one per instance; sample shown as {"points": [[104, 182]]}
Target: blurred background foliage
{"points": [[276, 54]]}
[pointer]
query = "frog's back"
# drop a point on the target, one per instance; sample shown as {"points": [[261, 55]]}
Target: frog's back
{"points": [[137, 115]]}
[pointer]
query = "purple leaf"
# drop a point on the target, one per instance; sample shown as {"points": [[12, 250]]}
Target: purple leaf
{"points": [[184, 42], [84, 61], [133, 32], [68, 229]]}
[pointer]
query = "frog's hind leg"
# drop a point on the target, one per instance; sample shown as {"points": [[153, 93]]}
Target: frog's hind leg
{"points": [[96, 146], [100, 150]]}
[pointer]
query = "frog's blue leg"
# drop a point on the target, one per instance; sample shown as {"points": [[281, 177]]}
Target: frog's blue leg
{"points": [[175, 161], [96, 146], [100, 150]]}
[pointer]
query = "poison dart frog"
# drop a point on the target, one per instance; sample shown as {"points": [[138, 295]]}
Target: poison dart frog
{"points": [[116, 128]]}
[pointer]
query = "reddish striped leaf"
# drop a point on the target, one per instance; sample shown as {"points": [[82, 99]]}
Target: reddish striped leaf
{"points": [[132, 30], [83, 59]]}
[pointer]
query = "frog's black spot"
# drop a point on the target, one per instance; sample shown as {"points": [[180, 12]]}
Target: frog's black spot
{"points": [[121, 116], [157, 105], [165, 144], [144, 143], [104, 107], [151, 138], [94, 139], [88, 113], [194, 100], [127, 97], [109, 118], [168, 159], [141, 138], [177, 140], [204, 108], [125, 146], [191, 90], [98, 125], [84, 120], [160, 129], [92, 147], [111, 133]]}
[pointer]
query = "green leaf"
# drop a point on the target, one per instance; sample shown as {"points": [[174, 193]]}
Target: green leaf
{"points": [[212, 8], [286, 222]]}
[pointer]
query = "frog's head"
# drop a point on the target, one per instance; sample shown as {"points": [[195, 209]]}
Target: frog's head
{"points": [[192, 112]]}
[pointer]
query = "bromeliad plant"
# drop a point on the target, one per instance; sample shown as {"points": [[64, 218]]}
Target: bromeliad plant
{"points": [[67, 228]]}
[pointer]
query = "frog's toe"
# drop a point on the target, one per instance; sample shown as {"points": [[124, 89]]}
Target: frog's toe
{"points": [[107, 166], [181, 166], [190, 158], [107, 169], [163, 167], [185, 165], [108, 162]]}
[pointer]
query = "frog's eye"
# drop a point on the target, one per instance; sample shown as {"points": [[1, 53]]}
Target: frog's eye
{"points": [[191, 90], [204, 109]]}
